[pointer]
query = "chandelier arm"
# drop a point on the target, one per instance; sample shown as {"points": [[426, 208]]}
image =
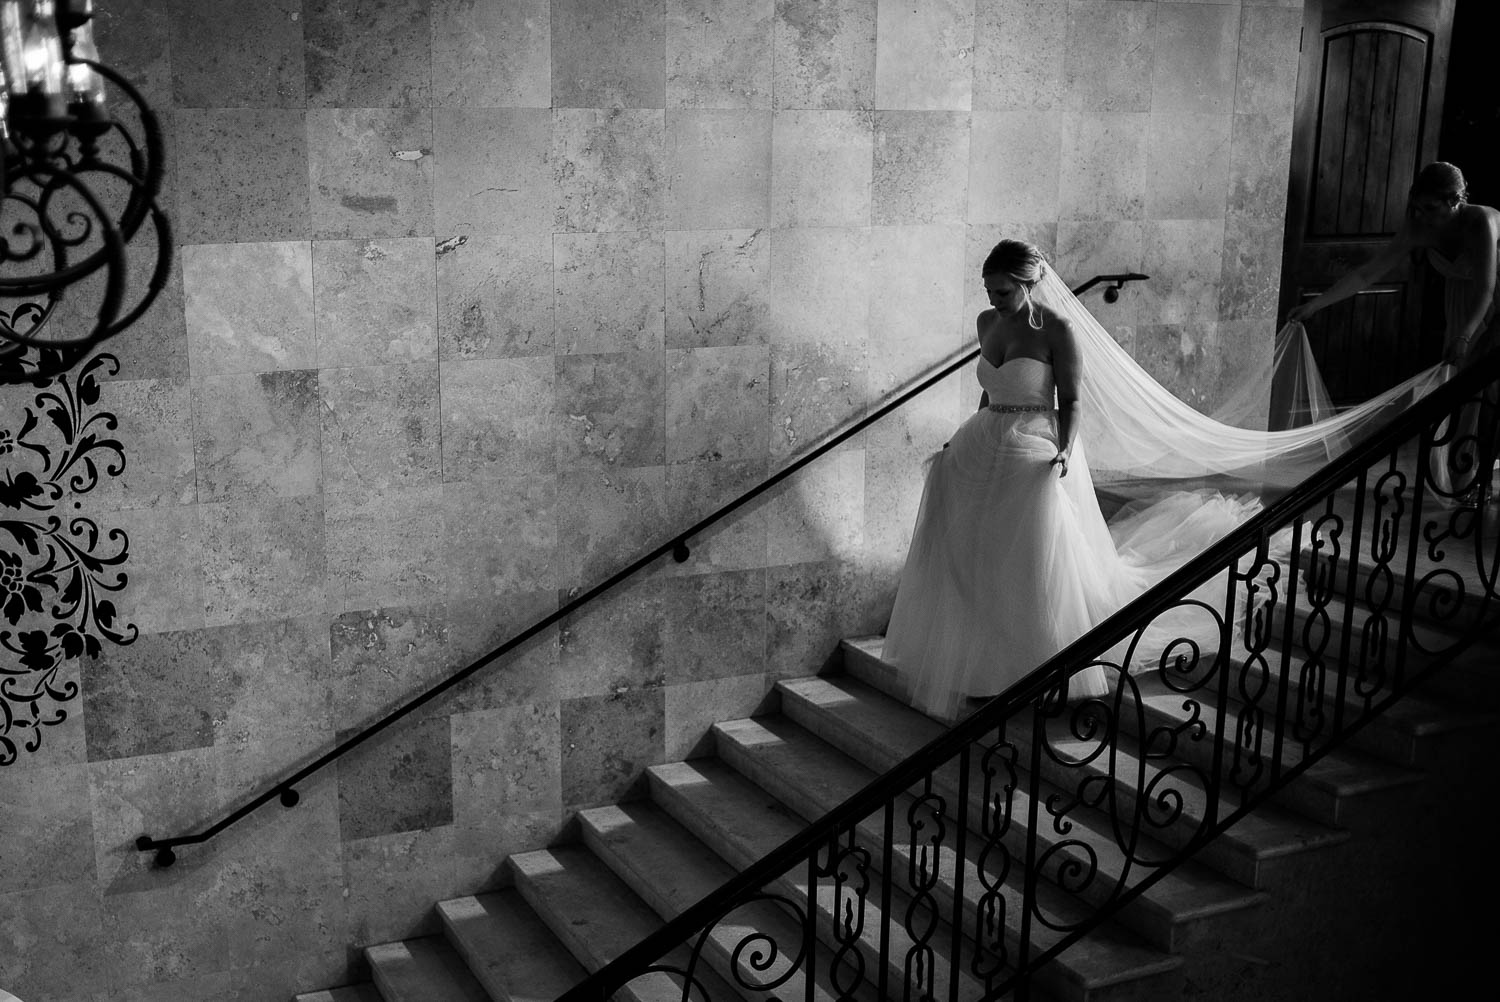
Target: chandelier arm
{"points": [[112, 250], [155, 150]]}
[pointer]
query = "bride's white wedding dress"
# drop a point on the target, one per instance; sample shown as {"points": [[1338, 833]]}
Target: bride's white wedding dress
{"points": [[1010, 562]]}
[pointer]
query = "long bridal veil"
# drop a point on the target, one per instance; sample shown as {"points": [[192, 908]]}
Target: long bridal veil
{"points": [[1136, 427]]}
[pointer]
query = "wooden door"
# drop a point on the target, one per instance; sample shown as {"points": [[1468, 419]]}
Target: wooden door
{"points": [[1369, 107]]}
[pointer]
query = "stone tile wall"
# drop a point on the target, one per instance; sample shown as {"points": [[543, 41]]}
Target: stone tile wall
{"points": [[475, 301]]}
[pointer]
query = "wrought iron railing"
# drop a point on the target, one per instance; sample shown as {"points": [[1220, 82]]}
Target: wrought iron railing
{"points": [[941, 878], [285, 790]]}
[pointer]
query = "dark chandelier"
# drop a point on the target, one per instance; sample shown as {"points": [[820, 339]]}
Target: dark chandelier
{"points": [[76, 187]]}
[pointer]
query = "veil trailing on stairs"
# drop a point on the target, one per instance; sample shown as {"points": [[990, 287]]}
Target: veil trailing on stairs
{"points": [[1136, 427]]}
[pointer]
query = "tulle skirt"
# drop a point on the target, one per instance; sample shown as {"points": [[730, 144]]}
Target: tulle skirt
{"points": [[1010, 562]]}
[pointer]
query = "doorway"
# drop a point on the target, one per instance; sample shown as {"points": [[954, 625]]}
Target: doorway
{"points": [[1369, 113]]}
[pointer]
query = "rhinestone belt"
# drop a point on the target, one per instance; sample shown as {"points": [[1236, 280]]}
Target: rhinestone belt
{"points": [[1018, 408]]}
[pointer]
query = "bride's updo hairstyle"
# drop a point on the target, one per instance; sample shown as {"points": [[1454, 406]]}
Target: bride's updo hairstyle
{"points": [[1024, 263], [1440, 181]]}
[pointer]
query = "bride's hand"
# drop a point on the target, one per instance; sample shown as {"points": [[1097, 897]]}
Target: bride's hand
{"points": [[1298, 314], [1061, 461]]}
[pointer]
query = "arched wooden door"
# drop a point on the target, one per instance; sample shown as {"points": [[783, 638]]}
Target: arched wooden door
{"points": [[1369, 107]]}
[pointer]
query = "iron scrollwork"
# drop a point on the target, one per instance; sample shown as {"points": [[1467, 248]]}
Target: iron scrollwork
{"points": [[56, 570]]}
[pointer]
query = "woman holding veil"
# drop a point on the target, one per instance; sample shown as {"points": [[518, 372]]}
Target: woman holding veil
{"points": [[1011, 558]]}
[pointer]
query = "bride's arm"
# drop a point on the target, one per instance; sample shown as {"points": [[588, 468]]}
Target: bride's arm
{"points": [[1067, 371]]}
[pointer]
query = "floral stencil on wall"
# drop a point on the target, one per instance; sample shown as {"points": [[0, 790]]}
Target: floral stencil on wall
{"points": [[57, 567]]}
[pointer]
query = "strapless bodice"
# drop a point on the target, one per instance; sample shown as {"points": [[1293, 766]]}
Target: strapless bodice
{"points": [[1460, 267], [1020, 381]]}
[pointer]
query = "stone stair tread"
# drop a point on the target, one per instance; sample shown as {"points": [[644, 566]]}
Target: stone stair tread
{"points": [[749, 822], [1186, 893], [574, 889], [365, 992], [886, 731], [427, 969], [671, 869], [510, 951]]}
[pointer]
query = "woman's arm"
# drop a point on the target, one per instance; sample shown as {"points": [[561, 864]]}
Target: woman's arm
{"points": [[1359, 279], [1067, 372], [1479, 246]]}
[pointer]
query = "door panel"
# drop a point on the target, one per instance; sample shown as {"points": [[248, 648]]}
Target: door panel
{"points": [[1369, 103]]}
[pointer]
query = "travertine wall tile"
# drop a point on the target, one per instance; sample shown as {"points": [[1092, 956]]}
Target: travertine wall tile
{"points": [[369, 53], [605, 519], [499, 537], [156, 695], [607, 743], [1251, 280], [719, 53], [1196, 49], [1266, 73], [48, 821], [1259, 150], [823, 54], [718, 169], [717, 287], [1187, 165], [714, 625], [164, 590], [491, 172], [212, 67], [609, 411], [717, 403], [402, 783], [385, 877], [1184, 258], [822, 280], [384, 546], [1103, 169], [613, 646], [491, 55], [497, 418], [370, 172], [1013, 160], [609, 55], [1020, 50], [821, 168], [255, 435], [373, 301], [609, 169], [262, 559], [380, 426], [1111, 47], [495, 296], [921, 170], [249, 307], [735, 542], [924, 55], [242, 175], [608, 289], [155, 417]]}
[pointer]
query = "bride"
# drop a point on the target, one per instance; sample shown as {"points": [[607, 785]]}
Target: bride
{"points": [[1011, 558]]}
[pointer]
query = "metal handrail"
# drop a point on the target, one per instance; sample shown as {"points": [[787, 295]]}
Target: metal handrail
{"points": [[286, 791], [1047, 679]]}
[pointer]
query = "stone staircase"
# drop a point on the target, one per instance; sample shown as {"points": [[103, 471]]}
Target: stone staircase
{"points": [[1286, 905]]}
